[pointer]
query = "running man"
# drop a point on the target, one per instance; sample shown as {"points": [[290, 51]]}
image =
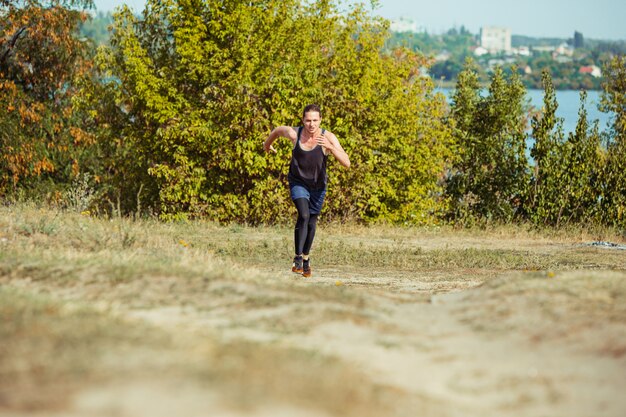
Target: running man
{"points": [[307, 177]]}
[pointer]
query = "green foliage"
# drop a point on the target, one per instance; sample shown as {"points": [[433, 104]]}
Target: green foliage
{"points": [[194, 88], [172, 117], [613, 203], [566, 184], [458, 44], [448, 69], [489, 179], [547, 132], [455, 41], [614, 96], [565, 73], [582, 161], [41, 56]]}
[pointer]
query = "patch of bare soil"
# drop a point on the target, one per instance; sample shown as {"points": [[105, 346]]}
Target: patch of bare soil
{"points": [[378, 342]]}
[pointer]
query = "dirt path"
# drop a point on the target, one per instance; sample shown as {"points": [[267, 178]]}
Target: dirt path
{"points": [[458, 354], [445, 351], [387, 342]]}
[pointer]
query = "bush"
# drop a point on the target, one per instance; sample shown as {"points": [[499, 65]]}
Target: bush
{"points": [[195, 87]]}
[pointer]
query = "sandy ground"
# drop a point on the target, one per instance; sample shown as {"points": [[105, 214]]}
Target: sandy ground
{"points": [[499, 344]]}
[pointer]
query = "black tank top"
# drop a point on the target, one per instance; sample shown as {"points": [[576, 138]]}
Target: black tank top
{"points": [[308, 167]]}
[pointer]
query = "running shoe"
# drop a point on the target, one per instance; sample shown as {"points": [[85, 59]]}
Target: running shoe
{"points": [[306, 268], [297, 264]]}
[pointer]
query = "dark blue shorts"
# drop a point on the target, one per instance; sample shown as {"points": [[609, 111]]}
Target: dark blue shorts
{"points": [[315, 197]]}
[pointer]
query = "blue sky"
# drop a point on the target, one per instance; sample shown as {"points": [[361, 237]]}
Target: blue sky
{"points": [[595, 19]]}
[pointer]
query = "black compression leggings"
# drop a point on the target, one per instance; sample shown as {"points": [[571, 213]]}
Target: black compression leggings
{"points": [[305, 227]]}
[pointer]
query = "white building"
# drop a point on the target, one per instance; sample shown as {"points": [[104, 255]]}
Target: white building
{"points": [[404, 25], [565, 49], [480, 51], [544, 48], [495, 39], [522, 51]]}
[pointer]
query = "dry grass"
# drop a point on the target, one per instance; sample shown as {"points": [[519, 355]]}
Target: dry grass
{"points": [[88, 303], [50, 349]]}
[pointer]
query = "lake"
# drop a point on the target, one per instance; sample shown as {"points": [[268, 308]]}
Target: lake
{"points": [[569, 104]]}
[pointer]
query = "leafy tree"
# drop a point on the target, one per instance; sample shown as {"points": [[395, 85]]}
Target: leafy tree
{"points": [[613, 100], [193, 87], [446, 70], [490, 177], [582, 164], [565, 186], [614, 96], [547, 133], [40, 58], [456, 42]]}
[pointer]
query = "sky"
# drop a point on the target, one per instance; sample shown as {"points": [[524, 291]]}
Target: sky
{"points": [[595, 19]]}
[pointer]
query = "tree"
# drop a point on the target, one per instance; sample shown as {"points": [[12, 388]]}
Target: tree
{"points": [[41, 56], [489, 179], [547, 133], [613, 100], [566, 183], [446, 70], [194, 87], [582, 163]]}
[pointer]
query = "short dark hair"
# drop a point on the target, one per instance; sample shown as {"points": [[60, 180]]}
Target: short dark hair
{"points": [[310, 108]]}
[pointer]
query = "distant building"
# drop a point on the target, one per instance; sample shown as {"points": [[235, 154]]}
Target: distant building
{"points": [[480, 51], [592, 70], [492, 63], [563, 59], [544, 48], [443, 56], [522, 51], [579, 41], [495, 39], [404, 25], [565, 49]]}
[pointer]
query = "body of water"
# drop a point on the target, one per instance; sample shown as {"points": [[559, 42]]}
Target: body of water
{"points": [[569, 104]]}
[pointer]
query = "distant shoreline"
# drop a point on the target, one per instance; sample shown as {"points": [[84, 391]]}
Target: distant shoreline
{"points": [[452, 85]]}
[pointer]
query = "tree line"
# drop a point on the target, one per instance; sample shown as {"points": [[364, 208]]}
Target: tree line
{"points": [[168, 118], [450, 49], [578, 178]]}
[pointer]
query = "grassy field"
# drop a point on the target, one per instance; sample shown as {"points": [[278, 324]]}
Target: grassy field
{"points": [[112, 317]]}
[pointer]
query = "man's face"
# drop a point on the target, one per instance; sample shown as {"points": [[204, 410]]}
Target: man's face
{"points": [[311, 121]]}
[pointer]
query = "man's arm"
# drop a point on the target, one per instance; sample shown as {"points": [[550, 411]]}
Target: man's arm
{"points": [[331, 143], [280, 131]]}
